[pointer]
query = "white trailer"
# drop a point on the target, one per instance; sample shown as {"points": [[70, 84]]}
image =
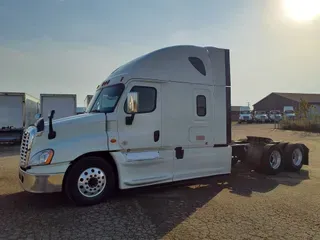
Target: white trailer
{"points": [[17, 111], [87, 100], [161, 118], [65, 105]]}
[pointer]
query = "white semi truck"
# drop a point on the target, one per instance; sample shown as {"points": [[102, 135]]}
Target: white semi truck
{"points": [[245, 115], [288, 112], [160, 118], [65, 105], [260, 117], [17, 112], [275, 116]]}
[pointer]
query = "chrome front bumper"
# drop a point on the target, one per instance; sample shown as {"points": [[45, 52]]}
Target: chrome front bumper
{"points": [[44, 183]]}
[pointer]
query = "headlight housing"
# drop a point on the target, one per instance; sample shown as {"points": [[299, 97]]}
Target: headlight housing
{"points": [[43, 157]]}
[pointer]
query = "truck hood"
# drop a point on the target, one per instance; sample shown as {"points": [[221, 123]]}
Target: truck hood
{"points": [[77, 124], [72, 119], [86, 118], [81, 133]]}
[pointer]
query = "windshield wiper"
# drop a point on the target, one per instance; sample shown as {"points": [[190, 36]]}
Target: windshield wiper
{"points": [[95, 111]]}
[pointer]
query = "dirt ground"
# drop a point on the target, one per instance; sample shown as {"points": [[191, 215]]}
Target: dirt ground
{"points": [[244, 205]]}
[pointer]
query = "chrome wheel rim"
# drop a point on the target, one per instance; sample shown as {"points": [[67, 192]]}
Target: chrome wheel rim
{"points": [[275, 159], [297, 157], [91, 182]]}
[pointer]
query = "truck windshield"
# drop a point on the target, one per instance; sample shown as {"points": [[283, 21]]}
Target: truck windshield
{"points": [[245, 112], [261, 112], [106, 99]]}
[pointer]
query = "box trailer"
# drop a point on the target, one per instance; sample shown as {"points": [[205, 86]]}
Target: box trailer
{"points": [[65, 105], [17, 111], [161, 118]]}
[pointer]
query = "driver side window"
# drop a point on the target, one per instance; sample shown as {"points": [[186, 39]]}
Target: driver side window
{"points": [[147, 99]]}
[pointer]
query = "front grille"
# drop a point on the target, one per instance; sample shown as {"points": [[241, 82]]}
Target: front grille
{"points": [[26, 142], [24, 148], [246, 118]]}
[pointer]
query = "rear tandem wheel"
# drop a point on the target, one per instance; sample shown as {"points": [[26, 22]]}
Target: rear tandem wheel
{"points": [[293, 157], [272, 161]]}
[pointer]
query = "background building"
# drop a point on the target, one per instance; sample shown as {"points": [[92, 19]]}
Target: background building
{"points": [[235, 111], [276, 101]]}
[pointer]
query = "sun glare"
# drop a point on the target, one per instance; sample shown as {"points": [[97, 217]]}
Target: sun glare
{"points": [[302, 10]]}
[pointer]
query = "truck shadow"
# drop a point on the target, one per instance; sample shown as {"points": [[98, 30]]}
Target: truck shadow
{"points": [[163, 207]]}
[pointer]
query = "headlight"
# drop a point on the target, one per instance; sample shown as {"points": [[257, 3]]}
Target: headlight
{"points": [[42, 158]]}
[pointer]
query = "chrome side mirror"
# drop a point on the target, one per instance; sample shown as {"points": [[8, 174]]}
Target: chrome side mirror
{"points": [[132, 102]]}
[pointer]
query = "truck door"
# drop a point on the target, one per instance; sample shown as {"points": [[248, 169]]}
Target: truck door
{"points": [[142, 140]]}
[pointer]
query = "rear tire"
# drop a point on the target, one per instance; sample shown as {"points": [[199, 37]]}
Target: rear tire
{"points": [[293, 157], [89, 181], [272, 161]]}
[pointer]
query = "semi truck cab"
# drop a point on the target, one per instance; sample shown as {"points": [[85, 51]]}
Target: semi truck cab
{"points": [[260, 116], [160, 118], [245, 115], [275, 116], [288, 112]]}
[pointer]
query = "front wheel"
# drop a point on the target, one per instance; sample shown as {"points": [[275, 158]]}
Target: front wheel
{"points": [[89, 181]]}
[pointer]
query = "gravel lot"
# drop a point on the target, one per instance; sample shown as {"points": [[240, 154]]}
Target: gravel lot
{"points": [[244, 205]]}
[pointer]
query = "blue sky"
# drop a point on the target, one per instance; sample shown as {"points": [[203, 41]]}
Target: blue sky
{"points": [[70, 46]]}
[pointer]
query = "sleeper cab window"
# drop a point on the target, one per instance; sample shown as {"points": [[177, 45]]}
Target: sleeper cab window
{"points": [[147, 99], [201, 106]]}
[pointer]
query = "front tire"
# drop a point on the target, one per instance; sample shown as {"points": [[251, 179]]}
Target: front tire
{"points": [[89, 181]]}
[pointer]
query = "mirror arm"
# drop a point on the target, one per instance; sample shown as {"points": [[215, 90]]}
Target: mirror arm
{"points": [[129, 119]]}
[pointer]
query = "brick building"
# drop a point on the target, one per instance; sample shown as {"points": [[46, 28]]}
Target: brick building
{"points": [[276, 101], [235, 111]]}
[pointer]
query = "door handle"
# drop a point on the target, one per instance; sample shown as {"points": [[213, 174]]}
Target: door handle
{"points": [[156, 135]]}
